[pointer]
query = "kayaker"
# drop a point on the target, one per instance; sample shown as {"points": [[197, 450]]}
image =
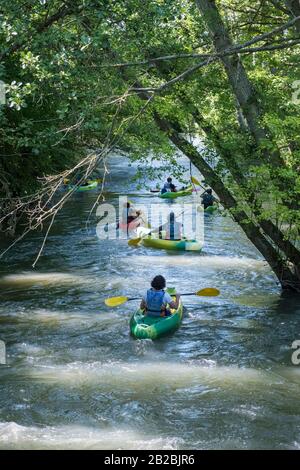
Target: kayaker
{"points": [[155, 302], [168, 186], [172, 228], [129, 214], [208, 199]]}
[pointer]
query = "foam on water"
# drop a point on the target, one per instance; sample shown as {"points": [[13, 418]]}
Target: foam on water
{"points": [[203, 262], [31, 279], [14, 436], [57, 317], [141, 376]]}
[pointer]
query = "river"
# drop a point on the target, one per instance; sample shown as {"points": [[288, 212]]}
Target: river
{"points": [[76, 379]]}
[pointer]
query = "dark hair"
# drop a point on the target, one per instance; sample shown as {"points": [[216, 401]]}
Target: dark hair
{"points": [[171, 216], [209, 191], [169, 179], [158, 282]]}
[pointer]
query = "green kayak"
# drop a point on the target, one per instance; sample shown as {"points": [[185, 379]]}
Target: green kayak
{"points": [[86, 187], [146, 327], [178, 245], [211, 209], [173, 195]]}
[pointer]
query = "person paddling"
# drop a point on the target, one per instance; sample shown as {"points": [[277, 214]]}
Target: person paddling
{"points": [[173, 229], [168, 186], [208, 199], [129, 214], [157, 302]]}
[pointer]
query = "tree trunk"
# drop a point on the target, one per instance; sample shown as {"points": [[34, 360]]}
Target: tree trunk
{"points": [[287, 277], [270, 229]]}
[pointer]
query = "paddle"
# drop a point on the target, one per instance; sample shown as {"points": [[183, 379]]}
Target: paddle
{"points": [[195, 181], [116, 301], [136, 241]]}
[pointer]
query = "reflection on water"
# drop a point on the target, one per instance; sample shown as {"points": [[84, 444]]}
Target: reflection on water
{"points": [[75, 378]]}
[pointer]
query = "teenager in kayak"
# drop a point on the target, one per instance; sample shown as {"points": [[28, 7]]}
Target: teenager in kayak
{"points": [[173, 229], [129, 214], [168, 186], [208, 199], [155, 302]]}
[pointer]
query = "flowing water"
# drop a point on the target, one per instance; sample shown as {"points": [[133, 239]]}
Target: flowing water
{"points": [[76, 379]]}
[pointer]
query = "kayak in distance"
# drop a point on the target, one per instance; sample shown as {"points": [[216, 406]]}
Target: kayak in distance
{"points": [[85, 187], [172, 195]]}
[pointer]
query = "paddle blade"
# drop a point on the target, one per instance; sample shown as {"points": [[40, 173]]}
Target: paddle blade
{"points": [[134, 241], [208, 292], [195, 181], [115, 301], [143, 231]]}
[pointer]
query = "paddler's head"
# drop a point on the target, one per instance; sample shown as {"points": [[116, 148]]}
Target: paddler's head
{"points": [[158, 283]]}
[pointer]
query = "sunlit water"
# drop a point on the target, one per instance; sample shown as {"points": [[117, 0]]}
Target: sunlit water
{"points": [[75, 378]]}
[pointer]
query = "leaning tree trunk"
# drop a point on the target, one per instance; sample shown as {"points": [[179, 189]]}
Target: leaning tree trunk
{"points": [[287, 277], [270, 229], [241, 86], [291, 253]]}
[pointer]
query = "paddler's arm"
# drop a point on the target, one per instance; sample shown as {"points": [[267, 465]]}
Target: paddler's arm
{"points": [[175, 304], [143, 305]]}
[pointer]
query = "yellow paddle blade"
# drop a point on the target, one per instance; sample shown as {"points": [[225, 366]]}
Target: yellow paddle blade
{"points": [[195, 181], [115, 301], [134, 241], [208, 292]]}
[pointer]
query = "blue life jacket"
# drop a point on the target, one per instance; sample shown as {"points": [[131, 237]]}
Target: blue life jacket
{"points": [[154, 301], [167, 187]]}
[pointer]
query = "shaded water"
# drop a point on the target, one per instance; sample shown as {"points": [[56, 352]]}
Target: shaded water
{"points": [[76, 379]]}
